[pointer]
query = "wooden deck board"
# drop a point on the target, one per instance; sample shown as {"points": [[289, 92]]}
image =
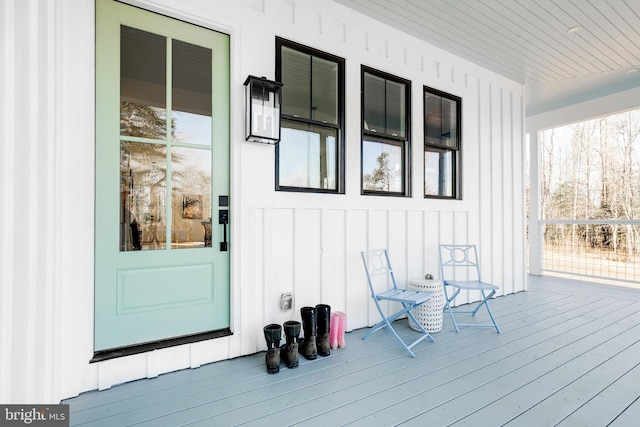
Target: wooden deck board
{"points": [[470, 388], [597, 397], [567, 355], [629, 416]]}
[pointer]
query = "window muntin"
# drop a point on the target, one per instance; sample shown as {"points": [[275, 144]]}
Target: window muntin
{"points": [[385, 129], [310, 153], [442, 120]]}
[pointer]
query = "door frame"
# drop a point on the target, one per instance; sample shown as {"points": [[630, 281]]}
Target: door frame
{"points": [[233, 228]]}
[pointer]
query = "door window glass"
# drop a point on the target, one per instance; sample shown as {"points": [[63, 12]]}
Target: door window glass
{"points": [[191, 93], [143, 107], [165, 174], [191, 197]]}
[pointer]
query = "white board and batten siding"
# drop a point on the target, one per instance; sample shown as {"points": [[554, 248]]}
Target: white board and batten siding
{"points": [[308, 244]]}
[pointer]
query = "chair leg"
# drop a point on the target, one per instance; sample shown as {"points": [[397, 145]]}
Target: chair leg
{"points": [[447, 306], [489, 311], [374, 328], [386, 323], [485, 299], [422, 329]]}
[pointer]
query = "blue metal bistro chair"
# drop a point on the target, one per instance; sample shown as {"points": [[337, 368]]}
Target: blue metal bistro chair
{"points": [[461, 261], [379, 272]]}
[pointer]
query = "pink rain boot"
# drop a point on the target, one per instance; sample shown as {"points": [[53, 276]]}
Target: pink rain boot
{"points": [[333, 330], [342, 326]]}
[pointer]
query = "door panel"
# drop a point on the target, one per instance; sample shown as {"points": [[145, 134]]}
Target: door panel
{"points": [[162, 163]]}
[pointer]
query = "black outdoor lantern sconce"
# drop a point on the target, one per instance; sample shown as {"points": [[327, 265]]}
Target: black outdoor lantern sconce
{"points": [[263, 98]]}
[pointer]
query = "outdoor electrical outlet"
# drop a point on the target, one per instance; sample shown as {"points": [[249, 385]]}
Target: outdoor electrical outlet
{"points": [[286, 301]]}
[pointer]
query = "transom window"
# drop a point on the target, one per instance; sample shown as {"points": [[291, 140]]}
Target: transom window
{"points": [[385, 133], [310, 155], [442, 124]]}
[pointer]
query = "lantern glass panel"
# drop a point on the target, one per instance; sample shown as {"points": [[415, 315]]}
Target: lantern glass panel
{"points": [[263, 110]]}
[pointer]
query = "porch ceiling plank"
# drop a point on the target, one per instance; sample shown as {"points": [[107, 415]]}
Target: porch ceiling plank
{"points": [[530, 42], [568, 349]]}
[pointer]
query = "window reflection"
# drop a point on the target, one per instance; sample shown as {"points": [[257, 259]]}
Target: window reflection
{"points": [[192, 128], [441, 144], [165, 201], [374, 105], [395, 109], [308, 156], [296, 76], [310, 88], [438, 173], [143, 183], [382, 166], [142, 84], [191, 93], [143, 196], [324, 87], [191, 197]]}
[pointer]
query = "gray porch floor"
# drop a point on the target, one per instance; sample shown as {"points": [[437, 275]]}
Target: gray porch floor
{"points": [[568, 354]]}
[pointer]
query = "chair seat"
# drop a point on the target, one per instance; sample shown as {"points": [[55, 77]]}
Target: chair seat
{"points": [[405, 296], [471, 285]]}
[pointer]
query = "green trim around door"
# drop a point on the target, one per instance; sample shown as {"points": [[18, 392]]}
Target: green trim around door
{"points": [[162, 179]]}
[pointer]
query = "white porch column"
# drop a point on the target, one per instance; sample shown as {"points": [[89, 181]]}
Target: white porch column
{"points": [[535, 235]]}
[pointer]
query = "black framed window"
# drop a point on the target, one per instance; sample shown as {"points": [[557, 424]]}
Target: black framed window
{"points": [[310, 154], [386, 102], [442, 137]]}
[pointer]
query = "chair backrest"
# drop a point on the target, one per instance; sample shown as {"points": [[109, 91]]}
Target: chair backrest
{"points": [[377, 265], [459, 262]]}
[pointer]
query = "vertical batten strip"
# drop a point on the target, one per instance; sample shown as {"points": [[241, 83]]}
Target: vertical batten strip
{"points": [[47, 142], [75, 148], [325, 287], [7, 183], [27, 246]]}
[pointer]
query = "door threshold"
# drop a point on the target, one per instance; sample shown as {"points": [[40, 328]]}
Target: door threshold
{"points": [[113, 353]]}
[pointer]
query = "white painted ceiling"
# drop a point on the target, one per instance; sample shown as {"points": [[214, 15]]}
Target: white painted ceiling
{"points": [[530, 41]]}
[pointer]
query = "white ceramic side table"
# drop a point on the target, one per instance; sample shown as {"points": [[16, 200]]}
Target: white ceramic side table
{"points": [[428, 314]]}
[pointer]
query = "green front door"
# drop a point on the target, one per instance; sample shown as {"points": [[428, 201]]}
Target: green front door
{"points": [[162, 178]]}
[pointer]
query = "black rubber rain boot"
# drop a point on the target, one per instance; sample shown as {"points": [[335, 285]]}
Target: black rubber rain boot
{"points": [[308, 344], [273, 333], [289, 351], [323, 313]]}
